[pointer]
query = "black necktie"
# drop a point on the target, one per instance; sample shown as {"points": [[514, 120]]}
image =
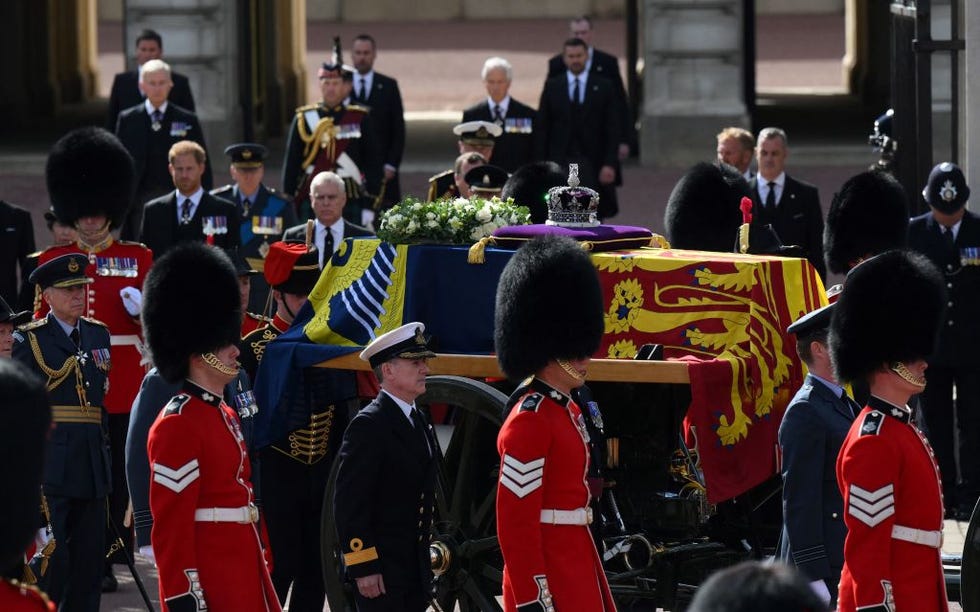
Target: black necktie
{"points": [[949, 238], [419, 424], [576, 93], [771, 196], [157, 115], [185, 211], [74, 337], [327, 247], [360, 88], [498, 114]]}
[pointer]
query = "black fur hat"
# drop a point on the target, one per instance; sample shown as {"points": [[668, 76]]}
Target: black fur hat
{"points": [[89, 173], [703, 209], [529, 187], [869, 215], [890, 310], [25, 420], [549, 306], [191, 306]]}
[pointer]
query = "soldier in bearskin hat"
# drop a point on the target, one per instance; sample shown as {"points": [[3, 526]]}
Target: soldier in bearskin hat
{"points": [[543, 514], [25, 420], [868, 216], [703, 209], [205, 533], [883, 328], [90, 179], [529, 186], [949, 235]]}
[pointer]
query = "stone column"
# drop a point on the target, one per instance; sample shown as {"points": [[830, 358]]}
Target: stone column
{"points": [[970, 98], [200, 40], [692, 80]]}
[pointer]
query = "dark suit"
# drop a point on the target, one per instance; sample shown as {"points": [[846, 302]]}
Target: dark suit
{"points": [[954, 362], [16, 245], [150, 149], [798, 219], [604, 65], [383, 504], [388, 120], [584, 133], [162, 230], [76, 468], [268, 207], [351, 230], [515, 147], [126, 93], [811, 434]]}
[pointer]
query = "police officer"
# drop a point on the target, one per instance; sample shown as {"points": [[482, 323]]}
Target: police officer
{"points": [[883, 329], [265, 213], [205, 534], [474, 137], [72, 353], [543, 514], [385, 483], [810, 437], [336, 136], [949, 235]]}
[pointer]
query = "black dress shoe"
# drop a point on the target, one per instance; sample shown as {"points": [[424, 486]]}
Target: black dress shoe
{"points": [[109, 582]]}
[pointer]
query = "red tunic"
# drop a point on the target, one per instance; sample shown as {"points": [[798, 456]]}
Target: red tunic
{"points": [[17, 597], [115, 266], [544, 461], [199, 461], [252, 322], [888, 476]]}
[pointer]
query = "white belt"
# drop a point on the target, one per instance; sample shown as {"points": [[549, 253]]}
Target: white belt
{"points": [[125, 340], [932, 539], [245, 515], [579, 516]]}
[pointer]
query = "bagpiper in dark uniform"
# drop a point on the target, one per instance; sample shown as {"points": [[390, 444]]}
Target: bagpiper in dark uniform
{"points": [[265, 213], [25, 421], [949, 235], [384, 498], [474, 137], [334, 136], [205, 536], [543, 498], [883, 328], [296, 466], [71, 353]]}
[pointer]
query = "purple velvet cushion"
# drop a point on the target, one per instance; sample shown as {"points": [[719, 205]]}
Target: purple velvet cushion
{"points": [[602, 237]]}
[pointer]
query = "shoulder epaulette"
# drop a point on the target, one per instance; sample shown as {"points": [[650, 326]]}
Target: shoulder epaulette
{"points": [[95, 321], [436, 177], [31, 325], [531, 402], [358, 108], [258, 317], [872, 423], [222, 189], [175, 404], [308, 107], [37, 254], [132, 243]]}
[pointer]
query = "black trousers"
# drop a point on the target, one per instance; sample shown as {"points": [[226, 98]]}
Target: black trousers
{"points": [[74, 577], [938, 409], [292, 501], [119, 498], [395, 599]]}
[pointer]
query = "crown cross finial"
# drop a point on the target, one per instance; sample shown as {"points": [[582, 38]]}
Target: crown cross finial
{"points": [[573, 175]]}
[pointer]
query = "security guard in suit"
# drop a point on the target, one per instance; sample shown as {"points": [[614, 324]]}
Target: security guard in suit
{"points": [[384, 497], [474, 137], [949, 235], [810, 436], [71, 353], [265, 213]]}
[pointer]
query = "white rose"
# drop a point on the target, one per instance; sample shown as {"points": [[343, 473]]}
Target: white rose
{"points": [[460, 202], [432, 223], [430, 215], [476, 234], [417, 206], [412, 225], [483, 215]]}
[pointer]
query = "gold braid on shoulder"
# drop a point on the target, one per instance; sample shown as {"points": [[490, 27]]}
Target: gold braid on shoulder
{"points": [[56, 377], [324, 132]]}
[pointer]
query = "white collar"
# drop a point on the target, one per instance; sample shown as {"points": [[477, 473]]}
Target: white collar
{"points": [[195, 198], [150, 109], [779, 180], [583, 76], [503, 104], [405, 407]]}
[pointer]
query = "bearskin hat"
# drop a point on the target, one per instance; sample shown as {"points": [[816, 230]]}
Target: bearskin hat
{"points": [[89, 173], [703, 209], [25, 419], [890, 310], [529, 187], [549, 306], [191, 306], [869, 215]]}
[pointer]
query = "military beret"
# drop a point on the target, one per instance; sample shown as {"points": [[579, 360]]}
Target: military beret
{"points": [[292, 267], [64, 271], [405, 342], [246, 154]]}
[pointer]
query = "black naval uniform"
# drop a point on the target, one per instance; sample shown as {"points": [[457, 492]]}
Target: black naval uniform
{"points": [[383, 503], [263, 220], [294, 471], [954, 361], [76, 472], [353, 132], [442, 186]]}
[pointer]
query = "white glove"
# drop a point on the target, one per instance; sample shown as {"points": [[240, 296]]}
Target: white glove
{"points": [[820, 588], [367, 218], [132, 300], [147, 551]]}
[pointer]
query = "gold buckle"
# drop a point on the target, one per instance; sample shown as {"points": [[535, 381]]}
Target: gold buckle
{"points": [[253, 513]]}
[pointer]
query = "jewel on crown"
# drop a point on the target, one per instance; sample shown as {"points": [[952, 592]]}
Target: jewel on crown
{"points": [[574, 205]]}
